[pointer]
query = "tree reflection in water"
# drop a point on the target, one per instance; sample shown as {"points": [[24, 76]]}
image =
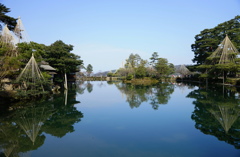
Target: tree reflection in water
{"points": [[217, 111], [83, 85], [21, 130], [137, 94]]}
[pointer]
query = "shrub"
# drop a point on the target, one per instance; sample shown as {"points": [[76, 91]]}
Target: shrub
{"points": [[129, 77]]}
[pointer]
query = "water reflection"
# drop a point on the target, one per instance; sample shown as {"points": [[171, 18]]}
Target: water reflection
{"points": [[89, 87], [155, 94], [217, 112], [22, 128], [81, 86]]}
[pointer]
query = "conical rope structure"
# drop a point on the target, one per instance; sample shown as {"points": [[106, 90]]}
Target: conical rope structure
{"points": [[20, 32], [7, 38], [31, 77], [225, 53], [9, 149], [7, 41], [7, 152], [224, 59], [226, 116], [31, 120]]}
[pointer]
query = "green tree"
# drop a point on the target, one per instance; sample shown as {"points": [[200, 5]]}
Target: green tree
{"points": [[25, 51], [132, 64], [110, 74], [208, 40], [8, 64], [133, 60], [59, 56], [89, 69], [5, 19], [141, 69], [154, 58], [163, 68], [125, 72], [223, 60], [171, 68]]}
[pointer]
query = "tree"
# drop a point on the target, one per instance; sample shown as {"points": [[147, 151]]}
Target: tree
{"points": [[5, 19], [133, 60], [89, 69], [59, 56], [125, 72], [154, 58], [132, 63], [171, 68], [141, 69], [207, 41], [8, 64], [163, 68], [223, 60], [25, 51]]}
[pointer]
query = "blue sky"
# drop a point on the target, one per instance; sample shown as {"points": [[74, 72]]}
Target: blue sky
{"points": [[105, 32]]}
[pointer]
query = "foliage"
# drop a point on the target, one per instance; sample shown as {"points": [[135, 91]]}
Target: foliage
{"points": [[133, 61], [59, 56], [208, 40], [154, 58], [141, 69], [9, 66], [129, 77], [46, 75], [132, 64], [204, 76], [10, 21], [9, 63], [89, 69], [125, 72], [32, 89], [222, 60], [110, 74], [163, 68], [138, 68], [13, 59], [25, 51]]}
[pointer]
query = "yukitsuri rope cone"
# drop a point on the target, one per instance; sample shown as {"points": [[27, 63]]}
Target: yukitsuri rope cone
{"points": [[31, 77], [225, 53]]}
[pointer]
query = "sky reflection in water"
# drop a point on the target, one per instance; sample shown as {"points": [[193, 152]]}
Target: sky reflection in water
{"points": [[114, 119]]}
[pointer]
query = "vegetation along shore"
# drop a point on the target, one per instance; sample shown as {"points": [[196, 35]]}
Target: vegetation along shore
{"points": [[32, 70]]}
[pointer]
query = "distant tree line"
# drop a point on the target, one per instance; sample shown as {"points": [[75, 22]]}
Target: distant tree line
{"points": [[137, 68]]}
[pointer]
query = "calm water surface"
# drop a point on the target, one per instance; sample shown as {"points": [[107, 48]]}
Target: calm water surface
{"points": [[103, 119]]}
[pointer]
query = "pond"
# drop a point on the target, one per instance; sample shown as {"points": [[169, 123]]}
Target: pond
{"points": [[112, 119]]}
